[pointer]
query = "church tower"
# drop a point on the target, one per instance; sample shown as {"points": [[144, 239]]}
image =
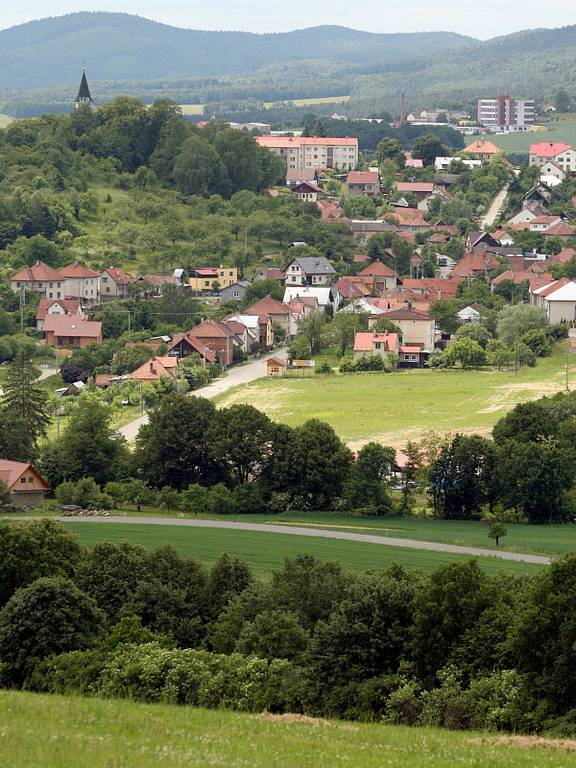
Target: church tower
{"points": [[84, 98]]}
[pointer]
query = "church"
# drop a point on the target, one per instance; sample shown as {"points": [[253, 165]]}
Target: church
{"points": [[84, 97]]}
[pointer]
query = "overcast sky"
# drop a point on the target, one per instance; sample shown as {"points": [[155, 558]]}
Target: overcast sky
{"points": [[482, 19]]}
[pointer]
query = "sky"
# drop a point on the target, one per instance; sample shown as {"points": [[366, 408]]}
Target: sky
{"points": [[485, 19]]}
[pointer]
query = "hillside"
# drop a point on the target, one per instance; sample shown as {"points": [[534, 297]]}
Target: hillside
{"points": [[89, 733], [123, 47]]}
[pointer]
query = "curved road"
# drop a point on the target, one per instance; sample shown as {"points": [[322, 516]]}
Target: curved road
{"points": [[241, 374], [294, 530]]}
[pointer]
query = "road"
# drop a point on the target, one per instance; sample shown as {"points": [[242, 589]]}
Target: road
{"points": [[293, 530], [494, 211], [241, 374]]}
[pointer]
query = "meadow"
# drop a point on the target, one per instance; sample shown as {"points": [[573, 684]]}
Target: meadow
{"points": [[198, 109], [562, 130], [69, 732], [266, 552], [393, 408]]}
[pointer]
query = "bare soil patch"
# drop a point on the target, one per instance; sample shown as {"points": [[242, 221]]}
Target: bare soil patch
{"points": [[293, 717], [529, 742]]}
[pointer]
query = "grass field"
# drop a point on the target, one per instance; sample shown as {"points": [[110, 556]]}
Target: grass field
{"points": [[266, 552], [198, 109], [67, 732], [5, 120], [563, 130], [396, 407]]}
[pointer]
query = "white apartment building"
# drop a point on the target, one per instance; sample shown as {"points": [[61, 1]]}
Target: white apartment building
{"points": [[563, 156], [313, 152], [505, 114]]}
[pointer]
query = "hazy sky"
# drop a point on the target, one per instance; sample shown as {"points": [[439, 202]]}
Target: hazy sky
{"points": [[483, 19]]}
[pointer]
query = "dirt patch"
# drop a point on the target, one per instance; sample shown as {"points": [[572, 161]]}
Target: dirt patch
{"points": [[528, 742], [506, 396], [293, 717], [263, 398], [399, 440]]}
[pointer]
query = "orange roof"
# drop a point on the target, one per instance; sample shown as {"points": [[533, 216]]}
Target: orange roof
{"points": [[78, 270], [378, 269], [564, 256], [39, 272], [363, 177], [11, 471], [276, 361], [119, 275], [408, 217], [268, 306], [155, 369], [407, 314], [70, 306], [551, 286], [483, 148], [474, 262], [210, 329], [560, 230], [415, 186], [73, 325]]}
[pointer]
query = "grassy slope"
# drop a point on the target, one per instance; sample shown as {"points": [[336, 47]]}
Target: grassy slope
{"points": [[197, 109], [394, 408], [563, 131], [266, 552], [59, 732]]}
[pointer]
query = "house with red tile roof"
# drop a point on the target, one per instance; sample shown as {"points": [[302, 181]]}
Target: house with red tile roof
{"points": [[155, 369], [475, 264], [313, 152], [114, 283], [564, 256], [408, 220], [420, 189], [372, 343], [277, 311], [558, 298], [80, 282], [533, 279], [270, 273], [349, 288], [328, 209], [483, 149], [363, 183], [562, 230], [71, 331], [380, 277], [183, 344], [218, 338], [56, 307], [417, 328], [26, 486], [563, 155], [39, 278]]}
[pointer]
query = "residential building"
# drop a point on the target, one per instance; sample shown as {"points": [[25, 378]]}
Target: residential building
{"points": [[39, 278], [235, 291], [475, 264], [218, 338], [246, 328], [184, 344], [56, 307], [417, 328], [295, 176], [264, 129], [420, 189], [503, 114], [157, 368], [372, 343], [363, 182], [203, 279], [379, 277], [275, 368], [313, 152], [154, 284], [271, 273], [558, 298], [307, 191], [26, 486], [309, 270], [469, 314], [563, 155], [71, 331], [276, 311], [444, 163], [485, 150], [80, 282], [114, 283], [323, 296]]}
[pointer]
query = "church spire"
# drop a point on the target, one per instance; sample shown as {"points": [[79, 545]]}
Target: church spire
{"points": [[84, 96]]}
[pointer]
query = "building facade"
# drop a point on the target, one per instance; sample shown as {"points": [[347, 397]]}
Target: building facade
{"points": [[503, 113], [301, 152]]}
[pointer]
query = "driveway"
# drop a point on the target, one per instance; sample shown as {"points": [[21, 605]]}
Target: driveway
{"points": [[241, 374], [293, 530], [494, 211]]}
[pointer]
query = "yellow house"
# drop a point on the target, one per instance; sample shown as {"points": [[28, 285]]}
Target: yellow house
{"points": [[203, 279], [275, 367]]}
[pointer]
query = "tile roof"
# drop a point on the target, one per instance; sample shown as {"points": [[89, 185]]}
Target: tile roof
{"points": [[348, 289], [482, 148], [279, 142], [363, 177], [564, 256], [119, 275], [268, 306], [11, 471], [474, 262], [77, 270], [156, 368], [560, 230], [550, 287], [565, 292], [549, 148], [39, 272], [407, 314], [196, 345], [378, 269], [415, 186], [210, 329], [272, 273], [70, 306], [73, 325], [364, 341]]}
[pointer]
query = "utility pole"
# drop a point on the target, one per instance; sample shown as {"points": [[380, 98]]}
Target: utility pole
{"points": [[22, 304]]}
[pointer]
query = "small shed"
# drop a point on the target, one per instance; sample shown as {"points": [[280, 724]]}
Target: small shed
{"points": [[275, 367]]}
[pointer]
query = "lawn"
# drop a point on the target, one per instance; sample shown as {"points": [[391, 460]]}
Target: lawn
{"points": [[396, 407], [563, 130], [68, 732], [198, 109], [266, 552]]}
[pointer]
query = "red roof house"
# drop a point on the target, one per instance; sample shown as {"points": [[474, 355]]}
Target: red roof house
{"points": [[26, 486], [71, 331]]}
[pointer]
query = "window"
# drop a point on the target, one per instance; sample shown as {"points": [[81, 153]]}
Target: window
{"points": [[377, 345], [30, 480], [108, 289], [22, 480]]}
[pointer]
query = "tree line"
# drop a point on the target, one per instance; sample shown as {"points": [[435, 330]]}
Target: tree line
{"points": [[456, 648]]}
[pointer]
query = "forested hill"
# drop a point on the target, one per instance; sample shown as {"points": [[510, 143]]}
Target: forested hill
{"points": [[119, 46]]}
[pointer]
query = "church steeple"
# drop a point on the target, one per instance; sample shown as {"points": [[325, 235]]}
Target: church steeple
{"points": [[84, 97]]}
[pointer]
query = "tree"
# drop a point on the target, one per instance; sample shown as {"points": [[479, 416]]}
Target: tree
{"points": [[49, 616], [31, 549], [199, 170], [5, 498], [563, 101], [461, 479], [369, 477], [475, 331], [390, 149], [24, 415], [228, 579], [515, 320], [138, 493], [172, 448], [273, 635], [445, 312], [169, 499], [241, 440], [311, 327], [496, 529], [89, 447], [427, 148], [260, 289], [466, 352], [343, 328]]}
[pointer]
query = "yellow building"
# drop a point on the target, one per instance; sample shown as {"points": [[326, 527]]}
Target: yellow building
{"points": [[203, 279]]}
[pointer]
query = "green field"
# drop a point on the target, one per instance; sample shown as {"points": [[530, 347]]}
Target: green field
{"points": [[198, 109], [67, 732], [396, 407], [563, 130], [266, 552]]}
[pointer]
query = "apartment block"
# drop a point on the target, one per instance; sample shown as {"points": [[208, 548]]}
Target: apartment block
{"points": [[302, 152], [503, 113]]}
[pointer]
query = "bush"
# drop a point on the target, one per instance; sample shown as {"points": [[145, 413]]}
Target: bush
{"points": [[323, 368], [83, 493]]}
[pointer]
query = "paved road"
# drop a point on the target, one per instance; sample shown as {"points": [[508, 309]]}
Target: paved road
{"points": [[242, 374], [494, 211], [294, 530]]}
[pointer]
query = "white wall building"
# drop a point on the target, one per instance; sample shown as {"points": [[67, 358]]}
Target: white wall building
{"points": [[313, 152]]}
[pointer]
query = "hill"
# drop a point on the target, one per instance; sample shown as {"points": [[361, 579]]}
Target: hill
{"points": [[90, 733], [119, 46]]}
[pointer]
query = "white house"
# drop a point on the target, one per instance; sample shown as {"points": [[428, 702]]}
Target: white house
{"points": [[558, 299], [469, 315], [563, 156]]}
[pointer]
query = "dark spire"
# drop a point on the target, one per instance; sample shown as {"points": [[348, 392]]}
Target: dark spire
{"points": [[84, 96]]}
